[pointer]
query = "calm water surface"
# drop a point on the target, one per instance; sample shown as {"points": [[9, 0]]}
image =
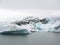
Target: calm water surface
{"points": [[37, 38]]}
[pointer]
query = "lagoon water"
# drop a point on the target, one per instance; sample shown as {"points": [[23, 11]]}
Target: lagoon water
{"points": [[36, 38]]}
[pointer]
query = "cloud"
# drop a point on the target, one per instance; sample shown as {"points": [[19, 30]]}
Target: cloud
{"points": [[30, 4]]}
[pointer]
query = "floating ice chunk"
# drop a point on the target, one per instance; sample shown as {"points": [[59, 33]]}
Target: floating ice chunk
{"points": [[55, 27], [16, 32], [13, 29]]}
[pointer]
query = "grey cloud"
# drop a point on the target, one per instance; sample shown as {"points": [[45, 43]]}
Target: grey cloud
{"points": [[30, 4]]}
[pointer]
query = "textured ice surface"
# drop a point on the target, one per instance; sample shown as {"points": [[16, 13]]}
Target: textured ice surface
{"points": [[45, 24], [11, 27]]}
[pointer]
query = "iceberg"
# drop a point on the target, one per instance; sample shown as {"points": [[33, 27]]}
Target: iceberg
{"points": [[54, 28], [16, 32], [29, 25], [13, 29]]}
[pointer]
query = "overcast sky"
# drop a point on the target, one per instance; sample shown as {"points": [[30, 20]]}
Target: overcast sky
{"points": [[23, 8], [30, 4]]}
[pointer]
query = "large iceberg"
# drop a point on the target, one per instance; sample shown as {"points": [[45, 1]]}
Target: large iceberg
{"points": [[29, 25]]}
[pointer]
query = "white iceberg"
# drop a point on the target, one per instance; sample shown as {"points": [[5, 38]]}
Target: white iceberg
{"points": [[13, 29], [55, 27], [29, 25]]}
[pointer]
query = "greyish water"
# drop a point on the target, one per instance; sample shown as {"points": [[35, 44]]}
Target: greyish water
{"points": [[37, 38]]}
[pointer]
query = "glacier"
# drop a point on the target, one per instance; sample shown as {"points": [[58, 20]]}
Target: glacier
{"points": [[29, 25]]}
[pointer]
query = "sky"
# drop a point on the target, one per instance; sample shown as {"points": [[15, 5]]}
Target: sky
{"points": [[19, 9]]}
